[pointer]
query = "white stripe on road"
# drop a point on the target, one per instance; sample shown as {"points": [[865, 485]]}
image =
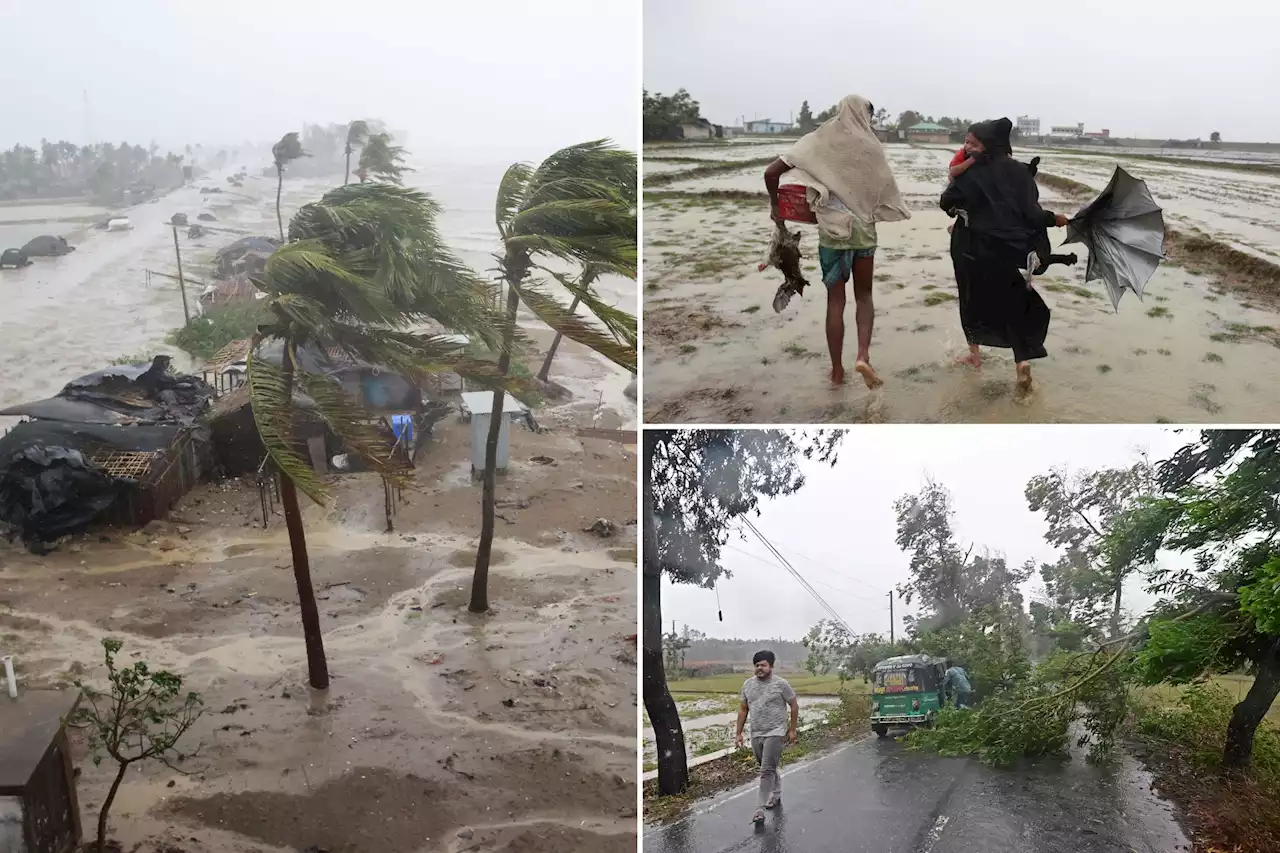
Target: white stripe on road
{"points": [[935, 833]]}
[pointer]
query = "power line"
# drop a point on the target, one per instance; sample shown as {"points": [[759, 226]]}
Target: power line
{"points": [[786, 564], [841, 590]]}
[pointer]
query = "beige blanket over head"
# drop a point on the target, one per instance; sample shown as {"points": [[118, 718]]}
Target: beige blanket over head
{"points": [[843, 158]]}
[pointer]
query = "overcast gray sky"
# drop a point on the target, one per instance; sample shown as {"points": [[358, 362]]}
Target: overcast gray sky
{"points": [[838, 530], [1147, 68], [505, 76]]}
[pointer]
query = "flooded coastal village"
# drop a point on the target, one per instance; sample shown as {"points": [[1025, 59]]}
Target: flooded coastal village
{"points": [[248, 392]]}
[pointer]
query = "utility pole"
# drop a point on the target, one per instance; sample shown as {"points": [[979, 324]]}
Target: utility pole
{"points": [[891, 623], [182, 286]]}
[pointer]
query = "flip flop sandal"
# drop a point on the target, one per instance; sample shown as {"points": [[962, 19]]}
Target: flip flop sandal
{"points": [[773, 803], [758, 817]]}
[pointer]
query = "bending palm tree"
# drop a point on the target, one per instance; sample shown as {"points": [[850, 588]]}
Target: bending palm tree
{"points": [[580, 206], [365, 264], [380, 159], [357, 134], [288, 149], [587, 278]]}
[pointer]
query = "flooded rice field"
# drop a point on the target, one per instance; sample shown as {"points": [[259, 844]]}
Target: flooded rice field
{"points": [[1195, 350]]}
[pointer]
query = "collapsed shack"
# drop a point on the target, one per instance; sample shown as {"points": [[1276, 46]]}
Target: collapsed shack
{"points": [[246, 255], [387, 397], [117, 446]]}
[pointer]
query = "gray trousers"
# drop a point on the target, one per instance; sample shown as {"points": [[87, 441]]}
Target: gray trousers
{"points": [[768, 750]]}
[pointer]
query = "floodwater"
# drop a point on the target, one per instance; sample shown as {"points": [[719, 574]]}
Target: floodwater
{"points": [[716, 352], [67, 316], [717, 729], [441, 730]]}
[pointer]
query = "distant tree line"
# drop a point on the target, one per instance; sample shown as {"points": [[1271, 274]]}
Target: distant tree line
{"points": [[103, 170]]}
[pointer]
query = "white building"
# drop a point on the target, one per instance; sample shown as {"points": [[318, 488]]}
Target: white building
{"points": [[1028, 126], [1067, 131]]}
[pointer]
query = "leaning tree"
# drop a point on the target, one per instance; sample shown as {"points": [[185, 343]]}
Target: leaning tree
{"points": [[697, 484]]}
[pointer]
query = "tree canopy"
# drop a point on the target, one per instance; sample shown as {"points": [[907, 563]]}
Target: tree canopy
{"points": [[664, 114]]}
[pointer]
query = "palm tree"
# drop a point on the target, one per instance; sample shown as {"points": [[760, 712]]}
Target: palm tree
{"points": [[285, 151], [379, 158], [585, 279], [579, 205], [357, 133], [364, 265]]}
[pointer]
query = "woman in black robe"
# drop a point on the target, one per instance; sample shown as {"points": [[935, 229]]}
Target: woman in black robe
{"points": [[999, 219]]}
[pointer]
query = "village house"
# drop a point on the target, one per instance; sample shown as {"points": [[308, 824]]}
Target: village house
{"points": [[928, 132], [765, 125]]}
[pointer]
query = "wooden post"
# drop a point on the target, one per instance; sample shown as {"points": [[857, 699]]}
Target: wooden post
{"points": [[891, 626], [182, 287]]}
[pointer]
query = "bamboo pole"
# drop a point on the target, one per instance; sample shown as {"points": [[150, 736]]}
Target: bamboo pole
{"points": [[182, 287]]}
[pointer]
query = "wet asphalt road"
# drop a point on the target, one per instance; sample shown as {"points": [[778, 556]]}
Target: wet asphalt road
{"points": [[877, 796]]}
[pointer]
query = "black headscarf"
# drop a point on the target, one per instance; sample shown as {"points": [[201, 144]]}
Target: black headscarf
{"points": [[999, 195], [994, 135]]}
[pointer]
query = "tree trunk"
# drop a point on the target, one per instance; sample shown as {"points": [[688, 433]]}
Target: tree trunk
{"points": [[1249, 712], [555, 344], [106, 807], [668, 735], [480, 581], [1115, 613], [346, 175], [317, 666], [279, 187]]}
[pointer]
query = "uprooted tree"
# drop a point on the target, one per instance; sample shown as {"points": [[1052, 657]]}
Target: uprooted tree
{"points": [[1218, 499], [697, 483]]}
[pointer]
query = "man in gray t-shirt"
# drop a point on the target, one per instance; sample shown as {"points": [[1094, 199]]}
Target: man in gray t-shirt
{"points": [[766, 698]]}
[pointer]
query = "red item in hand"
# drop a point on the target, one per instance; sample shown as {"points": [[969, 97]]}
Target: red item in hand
{"points": [[960, 157], [793, 206]]}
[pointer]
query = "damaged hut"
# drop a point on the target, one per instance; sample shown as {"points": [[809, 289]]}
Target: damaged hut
{"points": [[118, 446]]}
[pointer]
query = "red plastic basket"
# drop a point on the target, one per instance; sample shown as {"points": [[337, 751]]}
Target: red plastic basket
{"points": [[793, 206]]}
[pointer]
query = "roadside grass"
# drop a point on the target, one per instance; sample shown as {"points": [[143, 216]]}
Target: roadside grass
{"points": [[1179, 733]]}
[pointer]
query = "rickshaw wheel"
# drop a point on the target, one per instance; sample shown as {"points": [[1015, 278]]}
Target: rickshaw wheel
{"points": [[881, 731]]}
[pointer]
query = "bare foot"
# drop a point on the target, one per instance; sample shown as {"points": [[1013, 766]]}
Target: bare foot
{"points": [[972, 359], [837, 375], [868, 374], [1024, 376]]}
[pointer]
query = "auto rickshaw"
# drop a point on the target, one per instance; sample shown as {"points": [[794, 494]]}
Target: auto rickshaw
{"points": [[906, 691]]}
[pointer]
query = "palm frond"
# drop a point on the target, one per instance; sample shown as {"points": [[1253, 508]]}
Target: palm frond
{"points": [[511, 193], [357, 133], [616, 254], [327, 287], [274, 414], [621, 324], [389, 235], [578, 328], [289, 148]]}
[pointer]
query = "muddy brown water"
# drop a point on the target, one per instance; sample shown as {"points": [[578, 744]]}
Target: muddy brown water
{"points": [[716, 352], [441, 731]]}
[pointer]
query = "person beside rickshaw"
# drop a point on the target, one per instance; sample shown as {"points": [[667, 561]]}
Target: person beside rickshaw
{"points": [[955, 683]]}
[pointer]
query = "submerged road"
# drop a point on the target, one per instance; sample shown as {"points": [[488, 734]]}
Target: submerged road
{"points": [[875, 796]]}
